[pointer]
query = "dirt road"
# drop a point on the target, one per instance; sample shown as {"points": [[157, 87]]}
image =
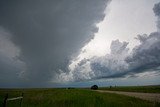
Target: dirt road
{"points": [[144, 96]]}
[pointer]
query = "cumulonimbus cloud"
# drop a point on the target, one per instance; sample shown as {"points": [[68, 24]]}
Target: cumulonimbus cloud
{"points": [[48, 32], [10, 65], [120, 62]]}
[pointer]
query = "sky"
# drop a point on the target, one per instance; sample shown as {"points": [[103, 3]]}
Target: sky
{"points": [[59, 43]]}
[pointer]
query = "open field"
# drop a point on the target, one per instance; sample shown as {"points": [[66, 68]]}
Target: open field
{"points": [[71, 98], [144, 89]]}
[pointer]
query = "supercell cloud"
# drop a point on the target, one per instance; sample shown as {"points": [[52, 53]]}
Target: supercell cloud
{"points": [[44, 34], [39, 41]]}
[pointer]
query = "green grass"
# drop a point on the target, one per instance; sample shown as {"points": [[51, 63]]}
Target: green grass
{"points": [[71, 98], [145, 89]]}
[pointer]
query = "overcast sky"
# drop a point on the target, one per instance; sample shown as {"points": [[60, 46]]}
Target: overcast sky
{"points": [[51, 43]]}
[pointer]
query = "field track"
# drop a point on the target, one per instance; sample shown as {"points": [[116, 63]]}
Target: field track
{"points": [[145, 96]]}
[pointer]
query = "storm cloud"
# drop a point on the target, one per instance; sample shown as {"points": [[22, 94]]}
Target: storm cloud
{"points": [[46, 34], [121, 62], [156, 10], [142, 58]]}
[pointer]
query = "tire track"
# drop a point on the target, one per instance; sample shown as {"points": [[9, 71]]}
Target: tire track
{"points": [[155, 97]]}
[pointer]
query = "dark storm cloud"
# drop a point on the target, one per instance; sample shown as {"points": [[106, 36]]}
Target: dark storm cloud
{"points": [[119, 63], [108, 66], [156, 10], [9, 65], [48, 32], [144, 57], [111, 65]]}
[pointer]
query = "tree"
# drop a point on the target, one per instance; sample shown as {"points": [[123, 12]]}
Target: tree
{"points": [[94, 87]]}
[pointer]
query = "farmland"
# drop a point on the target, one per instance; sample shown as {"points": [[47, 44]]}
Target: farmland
{"points": [[71, 98]]}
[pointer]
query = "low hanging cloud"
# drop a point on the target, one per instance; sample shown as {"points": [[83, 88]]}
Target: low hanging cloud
{"points": [[47, 33], [144, 57], [113, 63], [10, 65], [120, 63]]}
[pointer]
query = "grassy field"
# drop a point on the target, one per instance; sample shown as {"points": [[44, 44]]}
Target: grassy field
{"points": [[71, 98], [145, 89]]}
